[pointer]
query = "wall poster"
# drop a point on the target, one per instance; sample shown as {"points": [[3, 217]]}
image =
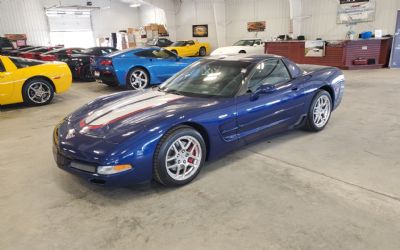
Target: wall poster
{"points": [[200, 30], [314, 48], [256, 26]]}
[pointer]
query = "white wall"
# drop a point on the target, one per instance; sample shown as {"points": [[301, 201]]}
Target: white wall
{"points": [[191, 12], [119, 17], [24, 17], [238, 13], [322, 20]]}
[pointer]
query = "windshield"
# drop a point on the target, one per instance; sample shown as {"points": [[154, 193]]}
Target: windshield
{"points": [[178, 44], [208, 78], [244, 43], [152, 42]]}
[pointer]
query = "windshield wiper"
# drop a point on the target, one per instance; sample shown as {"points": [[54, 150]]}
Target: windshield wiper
{"points": [[175, 92]]}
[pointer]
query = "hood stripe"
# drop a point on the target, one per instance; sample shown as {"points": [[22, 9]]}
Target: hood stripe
{"points": [[112, 116], [116, 105]]}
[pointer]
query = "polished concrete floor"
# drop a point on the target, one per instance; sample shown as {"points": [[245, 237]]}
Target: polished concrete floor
{"points": [[337, 189]]}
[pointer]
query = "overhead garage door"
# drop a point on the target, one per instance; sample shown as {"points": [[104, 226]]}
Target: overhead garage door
{"points": [[72, 28]]}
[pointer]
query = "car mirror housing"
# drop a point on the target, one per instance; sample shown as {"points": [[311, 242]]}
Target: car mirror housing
{"points": [[263, 90]]}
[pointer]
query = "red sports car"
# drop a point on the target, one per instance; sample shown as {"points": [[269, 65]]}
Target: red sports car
{"points": [[35, 53], [60, 54]]}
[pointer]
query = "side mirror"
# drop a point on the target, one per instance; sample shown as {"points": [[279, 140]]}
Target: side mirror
{"points": [[263, 90]]}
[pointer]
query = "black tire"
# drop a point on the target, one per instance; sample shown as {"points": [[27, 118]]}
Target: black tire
{"points": [[310, 124], [133, 86], [242, 52], [174, 51], [28, 92], [202, 51], [85, 74], [161, 174]]}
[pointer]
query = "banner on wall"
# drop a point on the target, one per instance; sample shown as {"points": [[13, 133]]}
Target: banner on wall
{"points": [[355, 11], [256, 26]]}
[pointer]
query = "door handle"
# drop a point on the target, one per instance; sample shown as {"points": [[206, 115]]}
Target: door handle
{"points": [[295, 88]]}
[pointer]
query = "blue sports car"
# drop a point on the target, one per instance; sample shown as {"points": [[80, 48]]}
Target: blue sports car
{"points": [[138, 68], [208, 109]]}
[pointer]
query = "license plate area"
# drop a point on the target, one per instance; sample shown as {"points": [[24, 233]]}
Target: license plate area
{"points": [[97, 73]]}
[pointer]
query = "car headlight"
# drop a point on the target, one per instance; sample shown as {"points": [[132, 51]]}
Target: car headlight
{"points": [[107, 170]]}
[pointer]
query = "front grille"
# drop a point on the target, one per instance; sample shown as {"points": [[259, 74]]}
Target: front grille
{"points": [[83, 167]]}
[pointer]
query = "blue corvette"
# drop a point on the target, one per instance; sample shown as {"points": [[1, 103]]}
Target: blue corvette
{"points": [[208, 109], [138, 68]]}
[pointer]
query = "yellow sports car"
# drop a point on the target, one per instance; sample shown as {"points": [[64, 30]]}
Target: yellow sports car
{"points": [[31, 81], [190, 48]]}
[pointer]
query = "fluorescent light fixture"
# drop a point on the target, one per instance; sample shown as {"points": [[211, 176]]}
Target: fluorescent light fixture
{"points": [[134, 5]]}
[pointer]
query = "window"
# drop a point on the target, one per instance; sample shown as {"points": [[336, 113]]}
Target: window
{"points": [[145, 53], [258, 42], [72, 28], [269, 72], [23, 63], [190, 42], [208, 78], [179, 44], [163, 53], [244, 43], [163, 41], [2, 69]]}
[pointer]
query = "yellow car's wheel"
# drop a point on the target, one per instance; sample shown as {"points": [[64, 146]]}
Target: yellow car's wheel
{"points": [[202, 51], [37, 91]]}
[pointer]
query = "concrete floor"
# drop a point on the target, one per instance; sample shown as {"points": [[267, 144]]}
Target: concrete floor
{"points": [[338, 189]]}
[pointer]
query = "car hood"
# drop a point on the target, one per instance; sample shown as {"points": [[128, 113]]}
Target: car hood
{"points": [[229, 50], [124, 114]]}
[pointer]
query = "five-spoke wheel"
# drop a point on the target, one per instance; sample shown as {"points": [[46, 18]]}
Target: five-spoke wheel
{"points": [[37, 91], [319, 112], [179, 156], [138, 79]]}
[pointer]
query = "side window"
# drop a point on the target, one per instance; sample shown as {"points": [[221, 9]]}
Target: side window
{"points": [[2, 69], [190, 42], [162, 41], [268, 72], [146, 53], [258, 42]]}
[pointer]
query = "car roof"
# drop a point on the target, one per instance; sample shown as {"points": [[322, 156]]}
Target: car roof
{"points": [[134, 50], [245, 58]]}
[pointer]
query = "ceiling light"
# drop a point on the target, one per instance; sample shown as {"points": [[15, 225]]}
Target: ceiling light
{"points": [[134, 5]]}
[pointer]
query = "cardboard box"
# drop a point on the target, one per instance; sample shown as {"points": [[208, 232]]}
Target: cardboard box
{"points": [[162, 29], [15, 37]]}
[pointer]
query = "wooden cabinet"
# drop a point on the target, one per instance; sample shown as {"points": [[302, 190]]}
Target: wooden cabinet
{"points": [[340, 54]]}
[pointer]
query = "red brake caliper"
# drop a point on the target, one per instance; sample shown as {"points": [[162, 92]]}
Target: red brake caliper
{"points": [[190, 159]]}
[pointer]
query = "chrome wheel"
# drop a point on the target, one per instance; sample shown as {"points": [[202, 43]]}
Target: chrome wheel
{"points": [[138, 79], [321, 111], [183, 158], [39, 92]]}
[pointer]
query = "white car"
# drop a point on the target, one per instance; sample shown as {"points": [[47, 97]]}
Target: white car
{"points": [[246, 46]]}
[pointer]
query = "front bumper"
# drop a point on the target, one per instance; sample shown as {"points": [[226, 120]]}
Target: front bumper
{"points": [[88, 172]]}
